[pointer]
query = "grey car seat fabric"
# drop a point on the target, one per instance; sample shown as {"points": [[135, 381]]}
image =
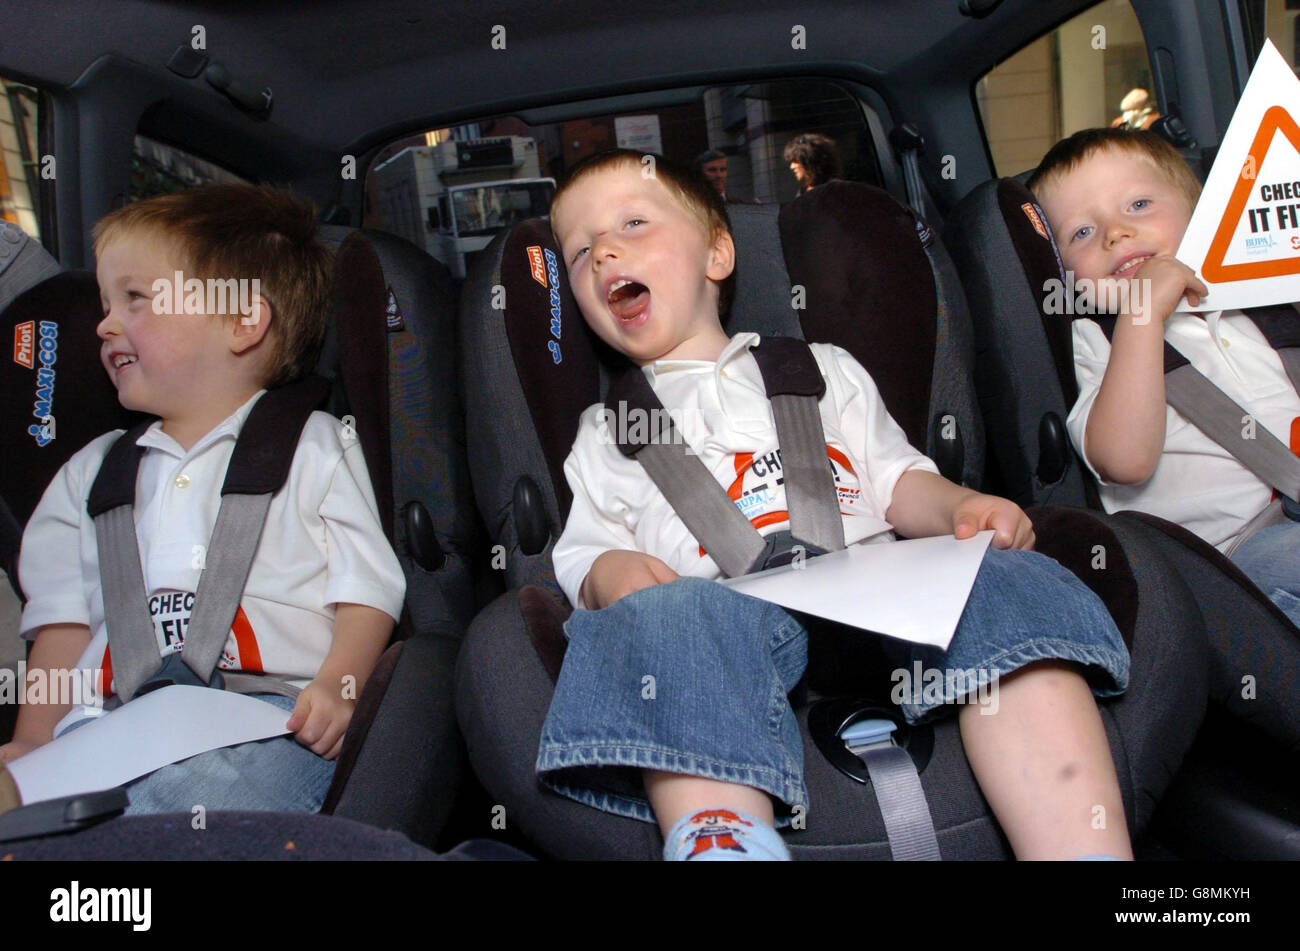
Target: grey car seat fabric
{"points": [[395, 373], [1025, 374], [540, 368], [23, 262]]}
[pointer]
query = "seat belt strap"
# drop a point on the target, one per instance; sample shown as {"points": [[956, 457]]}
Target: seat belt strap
{"points": [[1219, 416], [259, 466], [229, 558], [126, 609], [794, 386], [694, 494], [897, 785]]}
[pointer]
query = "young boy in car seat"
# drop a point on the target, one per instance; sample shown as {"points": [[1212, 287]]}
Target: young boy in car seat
{"points": [[1118, 203], [324, 587], [708, 752]]}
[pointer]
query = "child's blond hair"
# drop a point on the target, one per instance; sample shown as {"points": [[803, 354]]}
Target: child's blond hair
{"points": [[233, 231], [1068, 154]]}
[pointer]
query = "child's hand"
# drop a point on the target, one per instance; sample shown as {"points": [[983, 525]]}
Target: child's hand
{"points": [[977, 512], [616, 574], [321, 717], [14, 749], [1159, 284]]}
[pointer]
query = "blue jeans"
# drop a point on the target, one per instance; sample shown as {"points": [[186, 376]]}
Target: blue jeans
{"points": [[692, 677], [274, 775], [1271, 559]]}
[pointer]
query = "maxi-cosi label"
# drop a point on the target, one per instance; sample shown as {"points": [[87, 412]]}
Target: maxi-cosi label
{"points": [[553, 279], [47, 353]]}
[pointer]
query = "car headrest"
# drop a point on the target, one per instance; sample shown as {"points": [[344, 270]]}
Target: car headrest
{"points": [[1010, 264], [868, 290], [56, 395], [887, 293]]}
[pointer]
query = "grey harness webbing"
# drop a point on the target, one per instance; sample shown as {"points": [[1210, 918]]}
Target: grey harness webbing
{"points": [[1222, 419], [259, 466], [902, 805], [703, 505], [134, 658], [794, 386], [897, 785]]}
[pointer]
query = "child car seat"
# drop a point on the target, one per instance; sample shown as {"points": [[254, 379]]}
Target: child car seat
{"points": [[887, 296], [389, 369], [1003, 246]]}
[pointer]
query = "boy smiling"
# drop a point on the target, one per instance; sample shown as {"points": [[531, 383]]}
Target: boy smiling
{"points": [[324, 587], [648, 252], [1118, 203]]}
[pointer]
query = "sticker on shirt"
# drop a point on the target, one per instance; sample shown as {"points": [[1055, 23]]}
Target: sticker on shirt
{"points": [[171, 611], [759, 487]]}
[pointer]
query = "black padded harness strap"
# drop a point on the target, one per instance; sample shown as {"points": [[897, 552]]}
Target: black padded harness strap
{"points": [[259, 466], [794, 385]]}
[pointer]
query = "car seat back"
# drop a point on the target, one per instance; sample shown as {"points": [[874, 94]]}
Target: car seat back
{"points": [[887, 294], [1024, 368], [392, 368]]}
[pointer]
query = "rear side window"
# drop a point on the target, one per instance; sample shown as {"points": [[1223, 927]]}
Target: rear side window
{"points": [[1279, 20], [20, 169], [450, 190], [160, 169], [1091, 71]]}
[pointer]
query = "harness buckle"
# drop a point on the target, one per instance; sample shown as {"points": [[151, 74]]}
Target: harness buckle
{"points": [[174, 670]]}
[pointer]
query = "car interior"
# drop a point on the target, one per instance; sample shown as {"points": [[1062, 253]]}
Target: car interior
{"points": [[430, 138]]}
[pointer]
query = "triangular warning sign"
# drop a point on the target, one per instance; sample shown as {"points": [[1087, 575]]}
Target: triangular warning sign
{"points": [[1244, 235], [1276, 120]]}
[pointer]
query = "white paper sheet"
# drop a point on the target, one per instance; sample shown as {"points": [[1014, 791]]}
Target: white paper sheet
{"points": [[914, 590], [165, 726], [1244, 237]]}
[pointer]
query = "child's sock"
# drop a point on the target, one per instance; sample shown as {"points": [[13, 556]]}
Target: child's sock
{"points": [[722, 835]]}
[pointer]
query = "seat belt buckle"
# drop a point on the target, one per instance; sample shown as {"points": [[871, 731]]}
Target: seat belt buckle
{"points": [[865, 735], [174, 671], [1290, 507]]}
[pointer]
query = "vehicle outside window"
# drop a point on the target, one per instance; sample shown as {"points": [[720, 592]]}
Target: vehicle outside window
{"points": [[450, 190], [1091, 71], [160, 169], [20, 172]]}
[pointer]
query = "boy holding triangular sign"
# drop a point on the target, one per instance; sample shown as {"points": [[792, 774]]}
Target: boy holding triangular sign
{"points": [[1187, 407]]}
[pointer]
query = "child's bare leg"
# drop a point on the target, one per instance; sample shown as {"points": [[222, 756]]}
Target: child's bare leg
{"points": [[673, 795], [1044, 765]]}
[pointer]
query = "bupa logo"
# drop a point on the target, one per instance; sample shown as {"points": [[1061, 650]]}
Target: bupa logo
{"points": [[536, 265], [553, 279], [47, 352], [23, 339]]}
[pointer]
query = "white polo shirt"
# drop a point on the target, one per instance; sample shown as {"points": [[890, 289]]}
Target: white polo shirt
{"points": [[1197, 483], [726, 418], [322, 545]]}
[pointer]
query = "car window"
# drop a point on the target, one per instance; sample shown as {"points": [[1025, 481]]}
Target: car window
{"points": [[1278, 20], [449, 190], [159, 169], [20, 169], [1091, 71]]}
